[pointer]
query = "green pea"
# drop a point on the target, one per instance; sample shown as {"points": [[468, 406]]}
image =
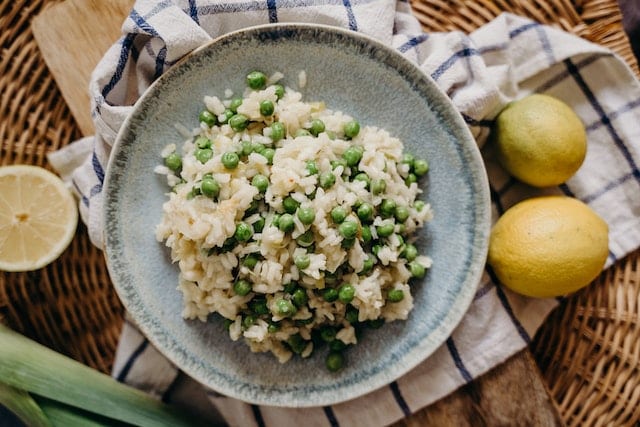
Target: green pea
{"points": [[302, 132], [338, 214], [368, 264], [311, 167], [420, 167], [401, 213], [410, 179], [173, 161], [351, 129], [317, 127], [351, 314], [261, 182], [243, 232], [290, 287], [375, 323], [268, 154], [401, 228], [327, 180], [266, 108], [365, 212], [207, 117], [338, 162], [334, 361], [375, 249], [388, 208], [290, 204], [296, 343], [302, 261], [352, 155], [203, 154], [250, 261], [331, 134], [286, 223], [285, 308], [246, 148], [337, 345], [395, 295], [242, 287], [277, 131], [417, 270], [273, 327], [225, 116], [306, 215], [210, 187], [253, 208], [408, 159], [328, 333], [258, 226], [279, 90], [230, 160], [330, 294], [385, 230], [259, 306], [256, 80], [409, 252], [257, 147], [366, 234], [348, 229], [419, 205], [203, 142], [234, 104], [239, 122], [330, 278], [347, 243], [276, 220], [378, 186], [305, 239], [227, 323], [346, 293], [248, 321], [299, 297], [364, 178]]}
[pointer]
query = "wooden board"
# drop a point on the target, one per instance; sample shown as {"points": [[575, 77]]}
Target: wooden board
{"points": [[73, 36]]}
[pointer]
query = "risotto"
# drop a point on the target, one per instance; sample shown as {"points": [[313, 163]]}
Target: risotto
{"points": [[292, 222]]}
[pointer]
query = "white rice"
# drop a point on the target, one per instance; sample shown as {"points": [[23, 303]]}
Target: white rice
{"points": [[196, 228]]}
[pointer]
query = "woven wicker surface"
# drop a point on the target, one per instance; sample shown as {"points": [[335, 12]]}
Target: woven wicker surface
{"points": [[588, 350]]}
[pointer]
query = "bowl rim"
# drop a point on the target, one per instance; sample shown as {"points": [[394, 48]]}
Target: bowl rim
{"points": [[462, 300]]}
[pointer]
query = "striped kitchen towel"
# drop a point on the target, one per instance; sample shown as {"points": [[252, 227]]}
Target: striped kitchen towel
{"points": [[508, 58]]}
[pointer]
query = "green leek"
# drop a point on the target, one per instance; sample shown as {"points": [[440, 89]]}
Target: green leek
{"points": [[23, 406], [32, 367]]}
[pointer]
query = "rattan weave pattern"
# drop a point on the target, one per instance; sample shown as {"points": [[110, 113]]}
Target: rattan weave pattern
{"points": [[588, 350]]}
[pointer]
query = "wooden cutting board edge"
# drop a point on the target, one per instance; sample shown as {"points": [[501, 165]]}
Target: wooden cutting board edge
{"points": [[74, 35]]}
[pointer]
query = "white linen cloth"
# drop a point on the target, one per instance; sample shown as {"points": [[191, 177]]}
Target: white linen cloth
{"points": [[506, 59]]}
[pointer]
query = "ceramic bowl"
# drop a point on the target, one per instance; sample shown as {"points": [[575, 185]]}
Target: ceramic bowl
{"points": [[351, 73]]}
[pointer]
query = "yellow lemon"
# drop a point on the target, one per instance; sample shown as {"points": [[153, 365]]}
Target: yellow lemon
{"points": [[548, 246], [38, 217], [540, 140]]}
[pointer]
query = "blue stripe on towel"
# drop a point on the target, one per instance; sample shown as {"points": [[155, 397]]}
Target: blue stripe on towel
{"points": [[463, 53], [458, 361], [273, 11], [353, 25], [331, 416], [126, 43], [507, 307], [413, 42], [397, 395], [142, 23], [97, 167], [132, 359], [193, 11], [575, 73]]}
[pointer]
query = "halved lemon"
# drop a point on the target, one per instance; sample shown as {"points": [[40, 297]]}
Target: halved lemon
{"points": [[38, 217]]}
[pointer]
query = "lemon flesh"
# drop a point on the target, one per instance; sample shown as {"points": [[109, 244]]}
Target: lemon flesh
{"points": [[548, 246], [38, 217], [540, 140]]}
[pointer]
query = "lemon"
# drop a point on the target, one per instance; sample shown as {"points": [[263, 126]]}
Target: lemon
{"points": [[540, 140], [548, 246], [38, 217]]}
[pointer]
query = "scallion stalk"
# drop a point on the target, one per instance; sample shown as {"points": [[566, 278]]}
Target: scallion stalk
{"points": [[23, 406]]}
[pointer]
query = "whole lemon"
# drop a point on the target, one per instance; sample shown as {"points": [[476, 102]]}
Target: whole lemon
{"points": [[548, 246], [540, 140]]}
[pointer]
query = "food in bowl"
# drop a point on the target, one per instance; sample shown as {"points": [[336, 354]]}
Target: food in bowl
{"points": [[292, 222]]}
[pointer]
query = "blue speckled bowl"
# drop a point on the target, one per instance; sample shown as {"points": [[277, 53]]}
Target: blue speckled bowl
{"points": [[352, 73]]}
